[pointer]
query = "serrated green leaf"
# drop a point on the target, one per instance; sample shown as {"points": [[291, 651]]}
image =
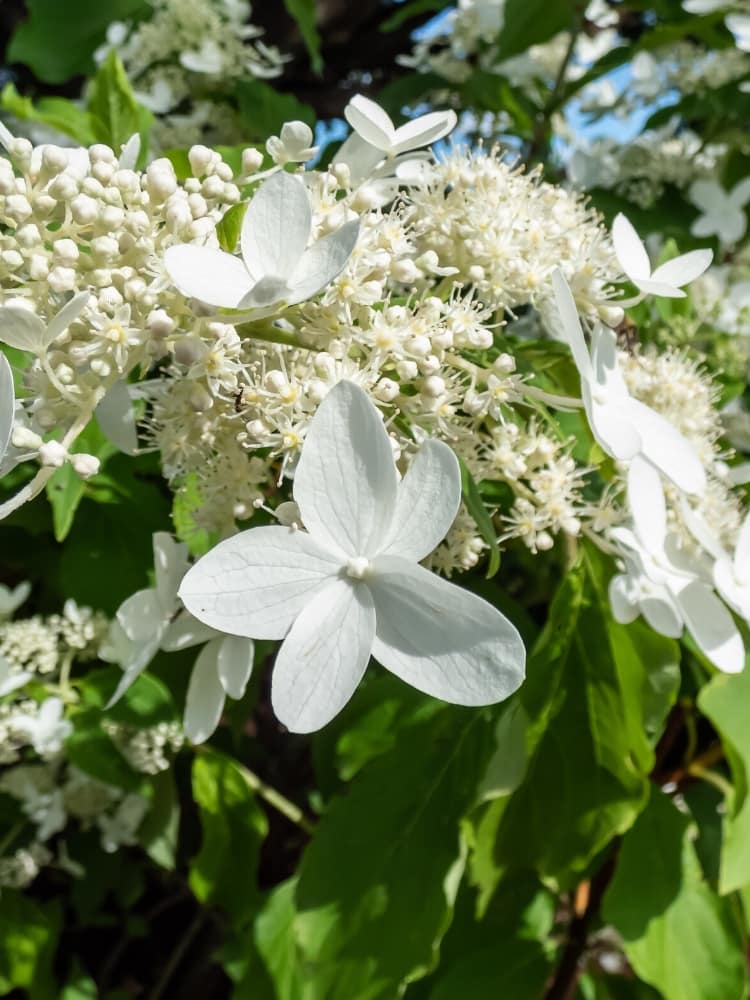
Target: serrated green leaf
{"points": [[378, 881], [224, 872], [56, 112], [115, 113], [678, 935], [475, 505], [304, 13]]}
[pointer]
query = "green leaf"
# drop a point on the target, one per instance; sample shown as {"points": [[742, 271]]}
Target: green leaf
{"points": [[147, 701], [264, 110], [28, 938], [411, 9], [531, 22], [588, 754], [115, 113], [230, 226], [65, 492], [677, 934], [275, 942], [304, 13], [56, 112], [90, 749], [724, 701], [475, 506], [158, 831], [378, 881], [57, 40], [224, 872]]}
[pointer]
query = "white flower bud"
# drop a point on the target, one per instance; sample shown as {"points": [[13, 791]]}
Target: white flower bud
{"points": [[100, 153], [476, 273], [419, 345], [160, 179], [200, 398], [105, 247], [405, 271], [112, 217], [544, 541], [252, 161], [504, 363], [288, 513], [85, 466], [188, 350], [276, 382], [64, 187], [54, 159], [25, 439], [256, 429], [386, 390], [44, 205], [12, 259], [52, 455], [342, 173], [28, 236], [17, 207], [65, 251], [62, 279], [212, 188], [159, 323], [84, 210], [430, 366], [433, 386], [198, 206], [92, 187], [201, 159], [407, 370], [38, 267]]}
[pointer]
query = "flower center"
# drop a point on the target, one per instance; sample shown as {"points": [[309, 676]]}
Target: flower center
{"points": [[358, 568]]}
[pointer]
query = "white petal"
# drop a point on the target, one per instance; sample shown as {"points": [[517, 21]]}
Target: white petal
{"points": [[141, 653], [323, 658], [424, 130], [659, 611], [359, 156], [730, 589], [607, 372], [345, 482], [207, 274], [712, 626], [661, 289], [427, 502], [441, 639], [630, 250], [570, 329], [322, 262], [611, 427], [235, 664], [664, 446], [116, 417], [170, 565], [141, 615], [740, 193], [205, 695], [647, 504], [130, 151], [7, 404], [276, 227], [706, 195], [624, 608], [704, 225], [22, 329], [67, 315], [684, 269], [184, 632], [257, 582], [742, 552], [371, 122]]}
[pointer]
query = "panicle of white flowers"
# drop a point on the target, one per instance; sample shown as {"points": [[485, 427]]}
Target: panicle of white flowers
{"points": [[40, 644], [506, 231], [184, 59], [146, 750], [19, 869]]}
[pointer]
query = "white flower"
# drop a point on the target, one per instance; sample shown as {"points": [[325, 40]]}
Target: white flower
{"points": [[351, 585], [739, 25], [209, 58], [294, 145], [277, 266], [668, 279], [7, 405], [10, 679], [732, 574], [47, 729], [22, 329], [663, 584], [375, 126], [722, 212], [703, 6], [153, 619], [10, 600], [623, 426]]}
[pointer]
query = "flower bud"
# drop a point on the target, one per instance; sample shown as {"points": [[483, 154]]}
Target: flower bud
{"points": [[52, 455], [85, 466]]}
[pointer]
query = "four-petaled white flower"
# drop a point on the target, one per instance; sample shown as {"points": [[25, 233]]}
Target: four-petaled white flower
{"points": [[293, 145], [671, 590], [277, 267], [374, 125], [722, 212], [623, 426], [351, 585], [7, 405], [47, 729], [667, 280], [22, 329], [154, 619]]}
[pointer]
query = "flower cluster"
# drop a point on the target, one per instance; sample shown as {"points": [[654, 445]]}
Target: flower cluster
{"points": [[183, 60]]}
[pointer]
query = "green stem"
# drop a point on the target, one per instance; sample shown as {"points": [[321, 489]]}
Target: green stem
{"points": [[271, 334], [279, 802]]}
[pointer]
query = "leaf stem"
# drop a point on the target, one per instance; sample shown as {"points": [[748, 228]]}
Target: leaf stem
{"points": [[278, 801]]}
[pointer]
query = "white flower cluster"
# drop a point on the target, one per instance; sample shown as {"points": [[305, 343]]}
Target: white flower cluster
{"points": [[146, 750], [184, 59]]}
